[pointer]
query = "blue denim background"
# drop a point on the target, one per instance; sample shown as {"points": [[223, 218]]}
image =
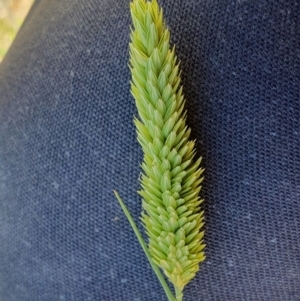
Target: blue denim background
{"points": [[67, 140]]}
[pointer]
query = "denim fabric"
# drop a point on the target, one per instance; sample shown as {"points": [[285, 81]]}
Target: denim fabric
{"points": [[67, 140]]}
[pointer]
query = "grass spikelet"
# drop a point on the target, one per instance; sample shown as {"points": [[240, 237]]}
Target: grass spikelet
{"points": [[171, 180]]}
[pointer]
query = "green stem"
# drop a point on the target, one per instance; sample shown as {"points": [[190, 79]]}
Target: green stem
{"points": [[178, 293], [145, 248]]}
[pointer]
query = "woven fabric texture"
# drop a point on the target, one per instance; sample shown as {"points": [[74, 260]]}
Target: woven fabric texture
{"points": [[67, 139]]}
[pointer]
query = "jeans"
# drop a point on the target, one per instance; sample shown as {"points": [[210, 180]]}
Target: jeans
{"points": [[67, 140]]}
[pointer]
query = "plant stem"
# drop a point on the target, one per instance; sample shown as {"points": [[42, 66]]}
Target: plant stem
{"points": [[145, 248], [178, 293]]}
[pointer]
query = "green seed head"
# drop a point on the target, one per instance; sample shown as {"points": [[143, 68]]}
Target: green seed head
{"points": [[171, 178]]}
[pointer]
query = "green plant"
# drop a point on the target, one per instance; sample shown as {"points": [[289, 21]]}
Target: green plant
{"points": [[7, 34], [171, 177]]}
